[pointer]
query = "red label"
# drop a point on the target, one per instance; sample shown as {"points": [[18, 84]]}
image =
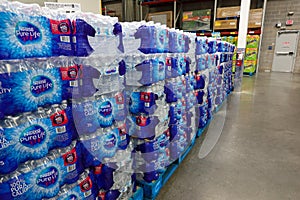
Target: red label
{"points": [[74, 26], [59, 118], [141, 121], [184, 117], [183, 102], [167, 150], [145, 96], [239, 63], [122, 130], [168, 61], [119, 98], [70, 158], [167, 133], [71, 73], [60, 27], [98, 169], [101, 195], [86, 185]]}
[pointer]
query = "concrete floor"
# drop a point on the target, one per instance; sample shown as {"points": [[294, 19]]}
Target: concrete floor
{"points": [[257, 156]]}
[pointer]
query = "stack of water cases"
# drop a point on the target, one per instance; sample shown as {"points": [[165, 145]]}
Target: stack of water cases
{"points": [[90, 107], [160, 95], [213, 76], [63, 131]]}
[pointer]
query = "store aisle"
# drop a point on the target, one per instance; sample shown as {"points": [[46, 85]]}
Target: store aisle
{"points": [[257, 156]]}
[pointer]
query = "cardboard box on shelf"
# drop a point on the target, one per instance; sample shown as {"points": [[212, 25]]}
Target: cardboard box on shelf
{"points": [[162, 17], [196, 20], [255, 18], [225, 24], [228, 12], [251, 54]]}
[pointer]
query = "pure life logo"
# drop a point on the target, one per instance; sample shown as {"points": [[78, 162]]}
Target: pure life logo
{"points": [[27, 33]]}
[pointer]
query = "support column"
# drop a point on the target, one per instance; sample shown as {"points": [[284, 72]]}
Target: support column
{"points": [[241, 46]]}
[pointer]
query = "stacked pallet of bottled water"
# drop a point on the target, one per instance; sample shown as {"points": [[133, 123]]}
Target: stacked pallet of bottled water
{"points": [[63, 132], [188, 69], [89, 105], [214, 62]]}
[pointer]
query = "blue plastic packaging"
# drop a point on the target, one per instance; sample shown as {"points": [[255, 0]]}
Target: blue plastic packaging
{"points": [[85, 188], [32, 139], [24, 36], [142, 102], [81, 31], [141, 126], [110, 108], [43, 178], [146, 34]]}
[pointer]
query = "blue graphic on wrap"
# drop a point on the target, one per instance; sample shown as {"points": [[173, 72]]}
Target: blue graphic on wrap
{"points": [[201, 63], [85, 117], [176, 43], [147, 72], [142, 127], [175, 113], [151, 149], [190, 100], [83, 30], [28, 141], [24, 36], [26, 91], [33, 140], [142, 102], [174, 90], [88, 88], [200, 81], [201, 45], [104, 176], [180, 89], [178, 140], [162, 41], [181, 65], [40, 182], [146, 34], [223, 47], [189, 83], [160, 72], [100, 146], [212, 46], [77, 81], [155, 156], [110, 110], [85, 189]]}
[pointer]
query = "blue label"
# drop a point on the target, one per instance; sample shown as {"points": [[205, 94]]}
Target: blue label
{"points": [[33, 136], [48, 177], [72, 197], [27, 33], [110, 142], [105, 109], [41, 85]]}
